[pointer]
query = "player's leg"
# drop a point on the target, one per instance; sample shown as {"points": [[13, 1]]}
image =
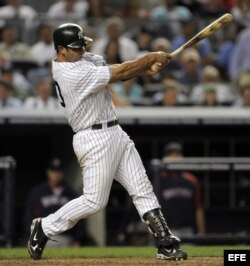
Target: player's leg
{"points": [[132, 175], [166, 242], [94, 198], [99, 168]]}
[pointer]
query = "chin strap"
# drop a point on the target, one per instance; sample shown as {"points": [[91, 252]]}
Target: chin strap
{"points": [[157, 225]]}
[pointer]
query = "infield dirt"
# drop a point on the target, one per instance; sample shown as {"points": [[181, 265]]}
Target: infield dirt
{"points": [[192, 261]]}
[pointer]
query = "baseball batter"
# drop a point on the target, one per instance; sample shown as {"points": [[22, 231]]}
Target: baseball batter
{"points": [[104, 151]]}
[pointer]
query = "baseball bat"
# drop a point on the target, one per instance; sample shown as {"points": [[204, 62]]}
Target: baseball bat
{"points": [[206, 32]]}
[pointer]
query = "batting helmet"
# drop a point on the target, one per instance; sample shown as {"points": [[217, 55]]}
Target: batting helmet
{"points": [[70, 35]]}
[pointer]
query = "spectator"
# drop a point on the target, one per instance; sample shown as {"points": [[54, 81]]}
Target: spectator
{"points": [[210, 86], [193, 5], [146, 6], [112, 53], [5, 60], [229, 4], [34, 75], [190, 72], [212, 9], [163, 44], [226, 49], [9, 43], [172, 12], [180, 190], [129, 92], [114, 29], [96, 8], [44, 99], [109, 8], [48, 197], [241, 12], [143, 39], [18, 81], [240, 60], [14, 9], [210, 98], [69, 9], [189, 27], [171, 95], [6, 96], [43, 51], [159, 44], [243, 90]]}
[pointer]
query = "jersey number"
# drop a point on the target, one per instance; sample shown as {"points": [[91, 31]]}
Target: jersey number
{"points": [[60, 94]]}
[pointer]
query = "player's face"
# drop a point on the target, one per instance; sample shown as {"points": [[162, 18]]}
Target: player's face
{"points": [[55, 177], [73, 55]]}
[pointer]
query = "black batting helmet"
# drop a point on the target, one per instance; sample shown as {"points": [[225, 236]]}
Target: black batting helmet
{"points": [[70, 35]]}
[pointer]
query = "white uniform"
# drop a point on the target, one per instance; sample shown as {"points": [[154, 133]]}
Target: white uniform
{"points": [[103, 154]]}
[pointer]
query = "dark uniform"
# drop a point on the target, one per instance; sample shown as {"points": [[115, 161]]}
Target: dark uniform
{"points": [[180, 191], [44, 201]]}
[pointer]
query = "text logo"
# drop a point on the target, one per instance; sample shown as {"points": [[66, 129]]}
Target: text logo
{"points": [[236, 257], [80, 35]]}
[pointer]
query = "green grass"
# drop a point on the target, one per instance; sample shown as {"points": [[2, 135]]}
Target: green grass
{"points": [[114, 252]]}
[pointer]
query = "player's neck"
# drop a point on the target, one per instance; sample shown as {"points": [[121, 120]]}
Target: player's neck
{"points": [[60, 59]]}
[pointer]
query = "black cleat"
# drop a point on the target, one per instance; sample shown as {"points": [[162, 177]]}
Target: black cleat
{"points": [[171, 253], [37, 240]]}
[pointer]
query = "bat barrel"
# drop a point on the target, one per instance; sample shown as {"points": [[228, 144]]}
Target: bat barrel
{"points": [[206, 32]]}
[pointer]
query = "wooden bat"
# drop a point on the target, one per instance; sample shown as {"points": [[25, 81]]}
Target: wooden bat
{"points": [[206, 32]]}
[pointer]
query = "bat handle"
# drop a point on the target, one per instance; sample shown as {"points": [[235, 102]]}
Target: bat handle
{"points": [[177, 51]]}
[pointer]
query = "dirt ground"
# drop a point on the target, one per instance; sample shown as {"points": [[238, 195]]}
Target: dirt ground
{"points": [[192, 261]]}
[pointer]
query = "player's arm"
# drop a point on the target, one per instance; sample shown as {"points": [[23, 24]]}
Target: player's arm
{"points": [[200, 221], [150, 63], [199, 212]]}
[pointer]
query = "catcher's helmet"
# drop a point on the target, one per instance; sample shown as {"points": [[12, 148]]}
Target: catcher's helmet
{"points": [[70, 35]]}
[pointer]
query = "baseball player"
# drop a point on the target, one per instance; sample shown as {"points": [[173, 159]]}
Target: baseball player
{"points": [[104, 151]]}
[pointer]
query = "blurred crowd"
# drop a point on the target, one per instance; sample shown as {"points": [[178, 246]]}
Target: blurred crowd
{"points": [[215, 72]]}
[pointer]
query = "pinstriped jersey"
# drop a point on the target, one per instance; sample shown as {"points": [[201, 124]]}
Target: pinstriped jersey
{"points": [[82, 88]]}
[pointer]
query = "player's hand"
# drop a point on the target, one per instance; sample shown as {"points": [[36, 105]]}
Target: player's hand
{"points": [[154, 69], [162, 57]]}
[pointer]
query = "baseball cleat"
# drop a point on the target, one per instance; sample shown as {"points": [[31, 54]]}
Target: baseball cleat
{"points": [[37, 240], [171, 253]]}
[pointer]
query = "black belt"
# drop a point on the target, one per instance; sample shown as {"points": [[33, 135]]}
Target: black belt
{"points": [[109, 124]]}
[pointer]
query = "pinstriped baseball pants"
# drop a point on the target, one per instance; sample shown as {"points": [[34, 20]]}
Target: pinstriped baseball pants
{"points": [[103, 155]]}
